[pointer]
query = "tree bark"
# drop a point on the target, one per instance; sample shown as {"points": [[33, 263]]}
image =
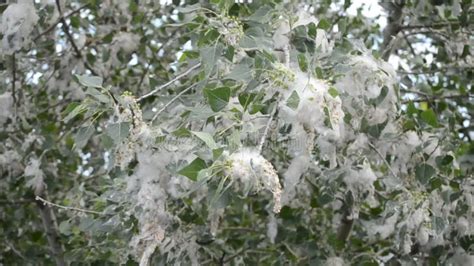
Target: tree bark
{"points": [[346, 226], [51, 234], [394, 22]]}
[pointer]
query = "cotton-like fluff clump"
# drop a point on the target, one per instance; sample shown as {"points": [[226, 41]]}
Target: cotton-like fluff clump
{"points": [[364, 84], [292, 177], [33, 170], [381, 230], [318, 111], [254, 173], [124, 41], [334, 261], [18, 20], [149, 195], [272, 228], [361, 180], [317, 108], [10, 163], [6, 107]]}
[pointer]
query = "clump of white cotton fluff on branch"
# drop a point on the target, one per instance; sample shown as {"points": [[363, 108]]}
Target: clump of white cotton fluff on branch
{"points": [[252, 171]]}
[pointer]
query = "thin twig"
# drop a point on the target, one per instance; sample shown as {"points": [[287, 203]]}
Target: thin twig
{"points": [[149, 250], [265, 133], [383, 159], [172, 100], [169, 82], [14, 79], [65, 27], [19, 201], [46, 202], [430, 98], [438, 25], [16, 251], [433, 71], [76, 49], [59, 21], [143, 75]]}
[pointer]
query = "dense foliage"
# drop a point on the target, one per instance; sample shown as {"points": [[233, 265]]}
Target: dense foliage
{"points": [[222, 132]]}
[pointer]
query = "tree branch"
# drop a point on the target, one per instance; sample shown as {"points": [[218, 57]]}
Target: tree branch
{"points": [[50, 28], [436, 25], [49, 203], [267, 127], [169, 82], [51, 234], [65, 28], [149, 250], [172, 100], [430, 98], [345, 227], [392, 29], [15, 102], [15, 202]]}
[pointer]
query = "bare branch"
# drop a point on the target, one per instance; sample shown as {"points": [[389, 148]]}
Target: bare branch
{"points": [[15, 102], [51, 234], [169, 82], [392, 29], [149, 250], [16, 251], [172, 100], [15, 202], [49, 203], [383, 159], [59, 21], [436, 25], [345, 227], [265, 133], [430, 98], [65, 28]]}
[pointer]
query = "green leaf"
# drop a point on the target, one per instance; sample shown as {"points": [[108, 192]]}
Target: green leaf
{"points": [[429, 117], [89, 81], [241, 72], [209, 57], [324, 24], [82, 136], [302, 62], [255, 38], [381, 97], [207, 138], [75, 111], [424, 172], [217, 98], [75, 21], [189, 8], [262, 15], [98, 95], [319, 73], [118, 131], [438, 224], [65, 228], [373, 130], [293, 101], [246, 98], [333, 92], [191, 171]]}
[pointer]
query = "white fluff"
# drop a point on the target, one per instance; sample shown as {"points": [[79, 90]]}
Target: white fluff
{"points": [[33, 170], [255, 172], [272, 228], [18, 20], [6, 107]]}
